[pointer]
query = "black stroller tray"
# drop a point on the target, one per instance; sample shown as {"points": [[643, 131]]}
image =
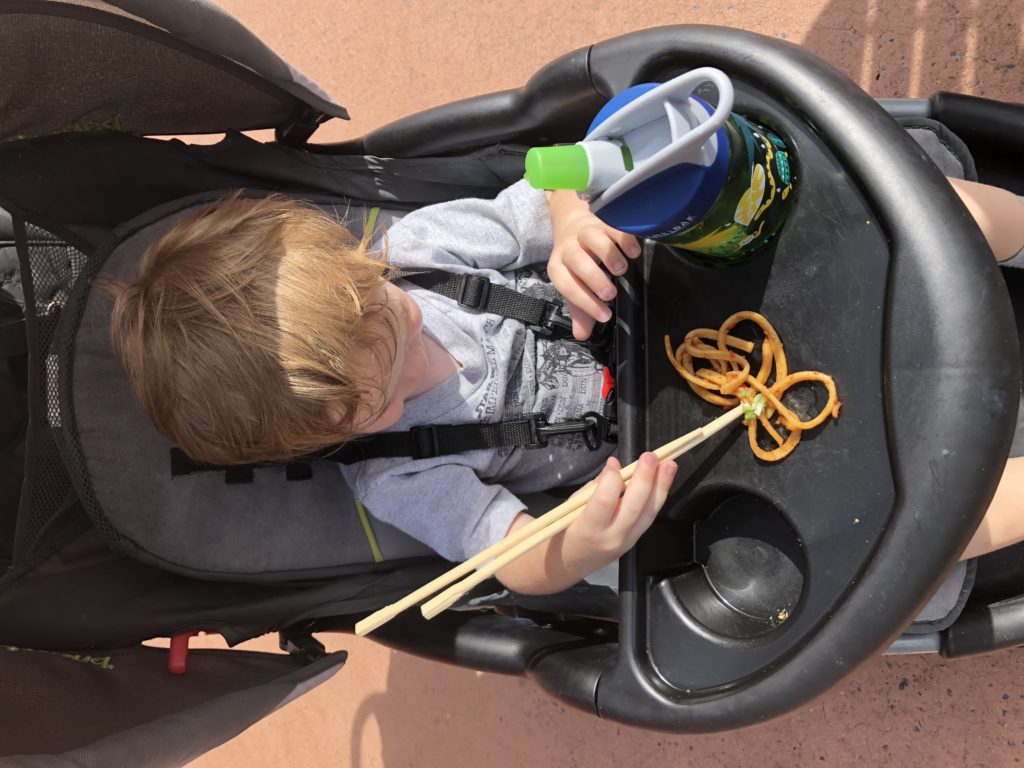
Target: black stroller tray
{"points": [[877, 278], [751, 555]]}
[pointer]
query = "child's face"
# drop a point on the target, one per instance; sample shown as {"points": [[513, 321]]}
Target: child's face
{"points": [[406, 378]]}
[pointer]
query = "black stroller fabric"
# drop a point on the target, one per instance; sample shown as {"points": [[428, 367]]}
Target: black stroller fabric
{"points": [[13, 423], [50, 514], [158, 720], [94, 183], [144, 66]]}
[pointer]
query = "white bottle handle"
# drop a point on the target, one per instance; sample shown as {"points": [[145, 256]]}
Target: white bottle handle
{"points": [[691, 130]]}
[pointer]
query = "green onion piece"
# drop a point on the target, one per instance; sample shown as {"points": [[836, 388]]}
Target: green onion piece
{"points": [[759, 404], [754, 409]]}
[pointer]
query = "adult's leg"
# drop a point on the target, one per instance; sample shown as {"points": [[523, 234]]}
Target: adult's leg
{"points": [[1003, 524], [1000, 215], [998, 212]]}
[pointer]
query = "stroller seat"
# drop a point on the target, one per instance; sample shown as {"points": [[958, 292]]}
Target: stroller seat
{"points": [[272, 523]]}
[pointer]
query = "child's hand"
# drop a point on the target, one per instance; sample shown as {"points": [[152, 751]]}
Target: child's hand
{"points": [[582, 242], [609, 525], [604, 531]]}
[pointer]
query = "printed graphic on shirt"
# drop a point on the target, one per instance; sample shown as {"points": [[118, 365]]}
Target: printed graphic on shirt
{"points": [[517, 373], [564, 368], [533, 281], [487, 408]]}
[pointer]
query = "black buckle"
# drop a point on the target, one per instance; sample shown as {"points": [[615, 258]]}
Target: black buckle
{"points": [[474, 291], [601, 335], [555, 324], [600, 430], [301, 644], [297, 132], [424, 442], [594, 428]]}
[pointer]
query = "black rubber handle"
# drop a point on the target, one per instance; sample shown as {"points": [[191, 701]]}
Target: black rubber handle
{"points": [[986, 629], [981, 121]]}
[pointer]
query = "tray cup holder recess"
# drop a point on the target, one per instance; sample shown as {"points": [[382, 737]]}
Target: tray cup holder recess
{"points": [[748, 571]]}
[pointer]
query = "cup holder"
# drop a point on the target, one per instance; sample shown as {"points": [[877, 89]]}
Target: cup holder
{"points": [[748, 571]]}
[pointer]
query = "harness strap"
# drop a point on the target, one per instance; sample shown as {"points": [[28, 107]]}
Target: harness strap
{"points": [[546, 318], [532, 431], [426, 442], [480, 294]]}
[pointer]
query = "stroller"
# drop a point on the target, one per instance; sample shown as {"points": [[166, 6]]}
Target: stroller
{"points": [[106, 542]]}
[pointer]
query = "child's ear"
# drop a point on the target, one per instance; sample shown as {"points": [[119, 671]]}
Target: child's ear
{"points": [[334, 415]]}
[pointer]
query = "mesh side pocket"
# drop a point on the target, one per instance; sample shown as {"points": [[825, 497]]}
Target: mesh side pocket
{"points": [[50, 512]]}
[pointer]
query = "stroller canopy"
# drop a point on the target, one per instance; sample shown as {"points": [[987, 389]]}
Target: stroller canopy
{"points": [[144, 67]]}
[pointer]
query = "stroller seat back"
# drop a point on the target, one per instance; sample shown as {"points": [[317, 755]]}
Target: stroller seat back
{"points": [[272, 523]]}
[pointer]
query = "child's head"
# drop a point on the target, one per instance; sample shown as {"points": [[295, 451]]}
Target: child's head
{"points": [[248, 323]]}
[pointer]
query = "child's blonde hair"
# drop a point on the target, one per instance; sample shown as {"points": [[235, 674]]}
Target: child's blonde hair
{"points": [[246, 322]]}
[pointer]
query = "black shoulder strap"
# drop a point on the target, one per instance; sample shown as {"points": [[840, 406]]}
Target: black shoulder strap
{"points": [[531, 431], [478, 293]]}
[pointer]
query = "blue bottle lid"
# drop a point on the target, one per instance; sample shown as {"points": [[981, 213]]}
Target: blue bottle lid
{"points": [[676, 198]]}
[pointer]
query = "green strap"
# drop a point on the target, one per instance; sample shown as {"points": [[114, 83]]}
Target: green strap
{"points": [[364, 518], [371, 222]]}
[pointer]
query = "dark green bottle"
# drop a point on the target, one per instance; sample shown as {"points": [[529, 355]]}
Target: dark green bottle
{"points": [[661, 163]]}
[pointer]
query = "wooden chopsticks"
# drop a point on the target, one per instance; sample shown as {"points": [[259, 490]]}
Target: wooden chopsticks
{"points": [[496, 557]]}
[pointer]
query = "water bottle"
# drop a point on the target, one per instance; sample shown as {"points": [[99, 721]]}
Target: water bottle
{"points": [[659, 162]]}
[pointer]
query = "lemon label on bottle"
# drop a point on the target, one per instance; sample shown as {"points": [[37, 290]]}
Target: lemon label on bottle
{"points": [[752, 198]]}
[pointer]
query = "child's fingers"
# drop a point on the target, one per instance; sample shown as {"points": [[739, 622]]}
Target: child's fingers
{"points": [[626, 242], [600, 510], [582, 323], [611, 247], [635, 497], [599, 242], [610, 462], [577, 293], [655, 500], [580, 260]]}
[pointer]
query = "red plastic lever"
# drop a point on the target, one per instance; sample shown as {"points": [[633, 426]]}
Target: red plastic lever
{"points": [[177, 654], [607, 383]]}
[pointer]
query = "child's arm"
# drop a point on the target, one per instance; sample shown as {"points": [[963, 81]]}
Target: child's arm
{"points": [[504, 234], [1003, 524], [608, 527], [582, 242]]}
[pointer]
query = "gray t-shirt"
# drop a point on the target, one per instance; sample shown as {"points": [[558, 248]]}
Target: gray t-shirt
{"points": [[461, 504]]}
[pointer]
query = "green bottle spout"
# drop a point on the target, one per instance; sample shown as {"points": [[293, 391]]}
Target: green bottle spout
{"points": [[561, 167]]}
